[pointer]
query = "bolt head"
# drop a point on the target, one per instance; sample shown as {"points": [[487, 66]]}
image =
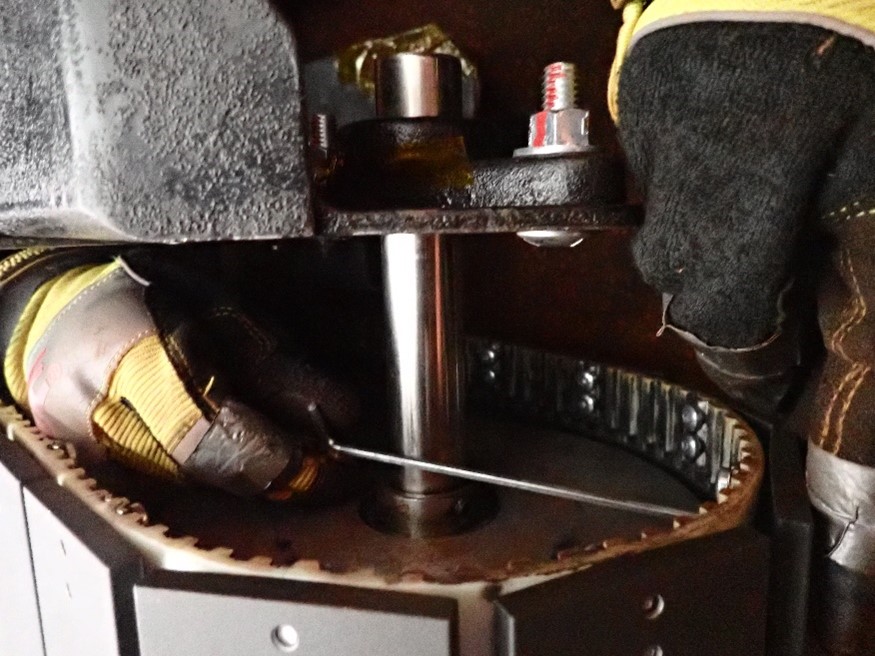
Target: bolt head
{"points": [[286, 639], [563, 131]]}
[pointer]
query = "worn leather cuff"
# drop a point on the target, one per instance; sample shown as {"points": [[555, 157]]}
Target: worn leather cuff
{"points": [[843, 494]]}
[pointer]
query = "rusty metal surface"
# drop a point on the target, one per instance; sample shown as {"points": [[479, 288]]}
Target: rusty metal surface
{"points": [[341, 223], [223, 531], [531, 534], [128, 120]]}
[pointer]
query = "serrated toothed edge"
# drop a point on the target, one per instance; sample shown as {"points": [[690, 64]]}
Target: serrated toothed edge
{"points": [[731, 508]]}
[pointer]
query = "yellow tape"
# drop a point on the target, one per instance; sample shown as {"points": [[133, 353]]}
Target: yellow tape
{"points": [[355, 65]]}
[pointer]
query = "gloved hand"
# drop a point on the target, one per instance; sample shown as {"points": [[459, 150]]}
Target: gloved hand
{"points": [[145, 362], [738, 134], [750, 135]]}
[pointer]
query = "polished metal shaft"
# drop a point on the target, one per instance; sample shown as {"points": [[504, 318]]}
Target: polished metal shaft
{"points": [[425, 367]]}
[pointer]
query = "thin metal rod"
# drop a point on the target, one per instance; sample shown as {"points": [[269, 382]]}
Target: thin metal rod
{"points": [[491, 479], [516, 483]]}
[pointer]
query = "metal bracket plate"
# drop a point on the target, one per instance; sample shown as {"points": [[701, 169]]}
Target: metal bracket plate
{"points": [[84, 576], [20, 629], [705, 596], [270, 617]]}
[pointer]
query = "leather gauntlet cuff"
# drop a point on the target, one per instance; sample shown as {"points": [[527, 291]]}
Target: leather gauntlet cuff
{"points": [[843, 494], [843, 594]]}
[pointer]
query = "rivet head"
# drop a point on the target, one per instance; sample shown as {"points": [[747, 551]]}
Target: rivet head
{"points": [[285, 638], [586, 379], [488, 356], [490, 375], [692, 418], [653, 606], [587, 404], [692, 447]]}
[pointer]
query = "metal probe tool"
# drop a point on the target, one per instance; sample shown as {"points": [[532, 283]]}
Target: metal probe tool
{"points": [[548, 489]]}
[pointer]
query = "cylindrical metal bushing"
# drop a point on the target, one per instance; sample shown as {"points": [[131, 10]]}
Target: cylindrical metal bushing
{"points": [[419, 86]]}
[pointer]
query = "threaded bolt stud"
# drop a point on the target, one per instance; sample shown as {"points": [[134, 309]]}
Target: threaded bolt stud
{"points": [[560, 86]]}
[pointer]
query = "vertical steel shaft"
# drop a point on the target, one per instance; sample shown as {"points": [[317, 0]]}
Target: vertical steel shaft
{"points": [[420, 290], [425, 363], [425, 370]]}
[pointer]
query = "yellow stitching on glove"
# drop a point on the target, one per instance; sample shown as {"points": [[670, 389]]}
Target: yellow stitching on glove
{"points": [[19, 257]]}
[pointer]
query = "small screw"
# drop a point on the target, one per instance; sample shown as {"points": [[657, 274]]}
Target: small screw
{"points": [[490, 376], [285, 638]]}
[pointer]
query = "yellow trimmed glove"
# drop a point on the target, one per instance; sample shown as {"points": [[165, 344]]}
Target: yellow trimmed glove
{"points": [[125, 367]]}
